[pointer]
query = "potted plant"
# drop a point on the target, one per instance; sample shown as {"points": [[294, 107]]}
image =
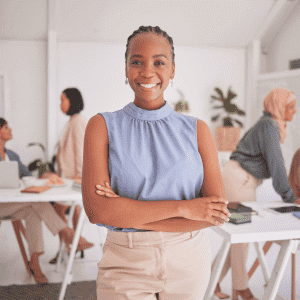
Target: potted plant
{"points": [[39, 164], [181, 106], [227, 136]]}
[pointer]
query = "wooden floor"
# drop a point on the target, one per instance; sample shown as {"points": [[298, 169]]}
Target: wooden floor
{"points": [[12, 270]]}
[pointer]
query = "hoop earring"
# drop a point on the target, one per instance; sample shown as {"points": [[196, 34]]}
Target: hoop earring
{"points": [[126, 80]]}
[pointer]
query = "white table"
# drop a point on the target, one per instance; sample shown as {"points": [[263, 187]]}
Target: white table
{"points": [[56, 194], [267, 226]]}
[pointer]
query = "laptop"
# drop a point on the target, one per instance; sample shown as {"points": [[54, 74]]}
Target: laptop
{"points": [[9, 174]]}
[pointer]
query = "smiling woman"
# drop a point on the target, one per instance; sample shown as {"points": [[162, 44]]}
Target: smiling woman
{"points": [[156, 201], [149, 67]]}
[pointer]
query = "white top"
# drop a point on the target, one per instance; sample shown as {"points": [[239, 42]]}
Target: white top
{"points": [[6, 158]]}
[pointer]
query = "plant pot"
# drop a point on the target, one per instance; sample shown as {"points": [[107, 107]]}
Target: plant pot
{"points": [[227, 138]]}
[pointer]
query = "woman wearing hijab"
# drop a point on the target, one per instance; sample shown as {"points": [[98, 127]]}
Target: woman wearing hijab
{"points": [[258, 156]]}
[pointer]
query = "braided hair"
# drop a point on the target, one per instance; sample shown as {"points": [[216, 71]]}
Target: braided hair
{"points": [[145, 29]]}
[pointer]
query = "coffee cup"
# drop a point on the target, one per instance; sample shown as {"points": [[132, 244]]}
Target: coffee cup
{"points": [[28, 181]]}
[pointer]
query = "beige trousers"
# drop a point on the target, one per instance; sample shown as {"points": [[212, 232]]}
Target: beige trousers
{"points": [[34, 213], [240, 186], [143, 265]]}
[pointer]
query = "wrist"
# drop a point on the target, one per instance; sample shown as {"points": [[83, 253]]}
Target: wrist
{"points": [[182, 209]]}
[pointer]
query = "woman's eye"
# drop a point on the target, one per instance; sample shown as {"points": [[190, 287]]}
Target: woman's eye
{"points": [[160, 63], [136, 62]]}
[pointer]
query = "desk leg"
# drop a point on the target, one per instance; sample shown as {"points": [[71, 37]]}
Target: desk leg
{"points": [[278, 270], [216, 272], [262, 261], [62, 245], [68, 276], [293, 276], [71, 213]]}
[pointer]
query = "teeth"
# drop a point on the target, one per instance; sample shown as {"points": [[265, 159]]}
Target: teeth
{"points": [[148, 86]]}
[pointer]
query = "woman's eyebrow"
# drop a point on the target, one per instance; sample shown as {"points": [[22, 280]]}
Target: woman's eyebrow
{"points": [[154, 56]]}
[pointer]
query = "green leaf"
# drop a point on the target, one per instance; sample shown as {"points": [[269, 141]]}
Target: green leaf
{"points": [[219, 91], [215, 118], [230, 108], [230, 95], [34, 165], [216, 98], [240, 123], [241, 112], [37, 144]]}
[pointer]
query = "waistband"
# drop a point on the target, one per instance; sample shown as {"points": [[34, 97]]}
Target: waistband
{"points": [[149, 238]]}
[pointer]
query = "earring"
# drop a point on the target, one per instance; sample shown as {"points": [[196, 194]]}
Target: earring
{"points": [[171, 82], [126, 80]]}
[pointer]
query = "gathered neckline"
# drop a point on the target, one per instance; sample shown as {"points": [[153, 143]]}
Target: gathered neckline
{"points": [[143, 114]]}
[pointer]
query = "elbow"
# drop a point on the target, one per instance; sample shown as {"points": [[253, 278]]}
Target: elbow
{"points": [[92, 211]]}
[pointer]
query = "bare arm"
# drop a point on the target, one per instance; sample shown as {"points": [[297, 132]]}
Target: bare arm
{"points": [[123, 212], [212, 188]]}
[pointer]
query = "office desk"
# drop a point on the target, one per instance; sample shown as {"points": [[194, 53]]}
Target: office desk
{"points": [[267, 226], [63, 193]]}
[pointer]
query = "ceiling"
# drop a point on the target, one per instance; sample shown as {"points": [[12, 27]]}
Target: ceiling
{"points": [[208, 23]]}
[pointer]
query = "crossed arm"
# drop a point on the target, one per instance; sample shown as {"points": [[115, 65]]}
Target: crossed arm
{"points": [[169, 215]]}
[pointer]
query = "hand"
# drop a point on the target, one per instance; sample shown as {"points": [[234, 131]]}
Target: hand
{"points": [[77, 179], [297, 201], [106, 190], [210, 209], [46, 175]]}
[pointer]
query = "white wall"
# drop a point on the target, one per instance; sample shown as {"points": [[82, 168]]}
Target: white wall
{"points": [[98, 71], [286, 45], [23, 64]]}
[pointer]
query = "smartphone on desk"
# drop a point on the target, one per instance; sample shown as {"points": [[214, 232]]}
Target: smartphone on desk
{"points": [[240, 218], [237, 207], [286, 209]]}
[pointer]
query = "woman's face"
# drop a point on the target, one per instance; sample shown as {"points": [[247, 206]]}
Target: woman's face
{"points": [[5, 133], [149, 68], [290, 110], [65, 103]]}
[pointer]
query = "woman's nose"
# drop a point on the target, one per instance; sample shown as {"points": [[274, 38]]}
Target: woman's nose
{"points": [[147, 71]]}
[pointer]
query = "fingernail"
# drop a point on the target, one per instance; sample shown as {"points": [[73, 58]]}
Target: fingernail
{"points": [[107, 183], [228, 220], [226, 202], [98, 186]]}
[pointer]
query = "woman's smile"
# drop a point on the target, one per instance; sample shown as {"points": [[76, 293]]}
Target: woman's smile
{"points": [[148, 85]]}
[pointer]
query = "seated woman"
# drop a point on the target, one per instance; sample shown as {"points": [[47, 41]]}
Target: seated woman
{"points": [[69, 156], [258, 156], [294, 176], [33, 213]]}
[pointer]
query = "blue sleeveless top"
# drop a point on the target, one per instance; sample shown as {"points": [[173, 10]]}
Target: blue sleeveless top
{"points": [[153, 155]]}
